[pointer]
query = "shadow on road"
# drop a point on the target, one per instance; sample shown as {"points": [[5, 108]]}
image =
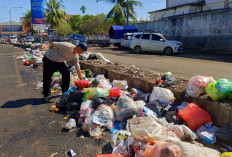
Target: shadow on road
{"points": [[23, 102]]}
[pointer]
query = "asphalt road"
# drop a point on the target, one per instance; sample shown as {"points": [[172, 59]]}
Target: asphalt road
{"points": [[183, 66], [27, 128]]}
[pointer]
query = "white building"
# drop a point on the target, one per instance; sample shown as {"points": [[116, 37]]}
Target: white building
{"points": [[181, 7]]}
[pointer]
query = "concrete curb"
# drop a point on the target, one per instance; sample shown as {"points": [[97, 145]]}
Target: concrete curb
{"points": [[221, 113]]}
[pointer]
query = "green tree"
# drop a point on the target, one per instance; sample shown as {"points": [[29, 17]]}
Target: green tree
{"points": [[119, 12], [65, 30], [27, 18], [54, 15], [83, 8], [76, 23]]}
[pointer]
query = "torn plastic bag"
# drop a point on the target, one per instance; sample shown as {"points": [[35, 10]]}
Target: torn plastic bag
{"points": [[147, 129], [119, 135], [125, 108], [145, 97], [161, 93], [103, 116], [181, 131], [169, 80], [122, 147], [219, 90], [224, 135], [194, 116], [86, 108], [121, 84], [196, 86]]}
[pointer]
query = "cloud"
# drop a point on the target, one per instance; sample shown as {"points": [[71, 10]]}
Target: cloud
{"points": [[154, 4]]}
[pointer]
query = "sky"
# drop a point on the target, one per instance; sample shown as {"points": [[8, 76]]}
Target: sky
{"points": [[72, 7]]}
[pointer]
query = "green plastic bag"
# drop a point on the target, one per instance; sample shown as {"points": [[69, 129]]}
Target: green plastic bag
{"points": [[92, 93], [219, 90]]}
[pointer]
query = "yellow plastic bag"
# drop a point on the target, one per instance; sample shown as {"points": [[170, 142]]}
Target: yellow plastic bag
{"points": [[226, 154]]}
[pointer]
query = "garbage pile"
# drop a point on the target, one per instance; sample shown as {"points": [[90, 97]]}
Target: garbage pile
{"points": [[142, 124]]}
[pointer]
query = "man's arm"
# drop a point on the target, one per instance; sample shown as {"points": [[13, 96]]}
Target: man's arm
{"points": [[51, 46], [79, 73]]}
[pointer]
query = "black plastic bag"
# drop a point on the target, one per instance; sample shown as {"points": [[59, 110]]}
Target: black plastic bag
{"points": [[92, 56], [145, 97], [172, 117], [101, 100], [224, 135], [158, 108], [169, 80], [73, 106], [75, 96]]}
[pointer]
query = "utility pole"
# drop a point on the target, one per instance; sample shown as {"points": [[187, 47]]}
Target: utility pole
{"points": [[127, 15], [11, 20]]}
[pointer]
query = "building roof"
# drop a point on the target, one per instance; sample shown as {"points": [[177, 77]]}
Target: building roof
{"points": [[189, 4], [9, 23], [68, 17]]}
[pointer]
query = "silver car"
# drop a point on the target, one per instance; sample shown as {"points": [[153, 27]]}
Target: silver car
{"points": [[155, 42]]}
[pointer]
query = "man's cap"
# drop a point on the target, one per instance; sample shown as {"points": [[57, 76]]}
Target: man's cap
{"points": [[83, 46]]}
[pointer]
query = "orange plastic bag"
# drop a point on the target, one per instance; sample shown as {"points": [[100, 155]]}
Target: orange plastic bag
{"points": [[108, 155], [194, 116]]}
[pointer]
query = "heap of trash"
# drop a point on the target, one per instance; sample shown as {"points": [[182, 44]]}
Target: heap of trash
{"points": [[142, 124]]}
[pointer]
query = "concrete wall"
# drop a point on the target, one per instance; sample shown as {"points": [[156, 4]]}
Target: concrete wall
{"points": [[208, 30]]}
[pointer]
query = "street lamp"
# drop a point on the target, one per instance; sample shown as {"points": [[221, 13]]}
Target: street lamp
{"points": [[10, 18]]}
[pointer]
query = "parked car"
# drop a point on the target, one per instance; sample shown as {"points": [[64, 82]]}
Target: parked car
{"points": [[60, 39], [155, 42], [76, 38], [126, 40], [13, 39]]}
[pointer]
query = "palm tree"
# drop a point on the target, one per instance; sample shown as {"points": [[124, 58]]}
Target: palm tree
{"points": [[27, 19], [83, 8], [54, 15], [119, 12]]}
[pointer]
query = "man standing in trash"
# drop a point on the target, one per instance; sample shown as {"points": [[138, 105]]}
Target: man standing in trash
{"points": [[53, 61]]}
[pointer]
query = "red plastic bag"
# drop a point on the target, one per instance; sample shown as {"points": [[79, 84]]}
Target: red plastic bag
{"points": [[194, 116], [82, 84], [114, 92], [26, 63], [108, 155]]}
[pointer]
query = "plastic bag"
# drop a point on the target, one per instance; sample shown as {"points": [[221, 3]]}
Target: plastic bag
{"points": [[89, 93], [108, 155], [101, 57], [125, 107], [219, 90], [224, 135], [103, 116], [121, 84], [104, 83], [161, 93], [81, 84], [101, 92], [118, 135], [159, 108], [75, 96], [196, 86], [147, 129], [114, 92], [86, 108], [163, 149], [169, 80], [145, 97], [194, 116], [101, 100], [181, 131]]}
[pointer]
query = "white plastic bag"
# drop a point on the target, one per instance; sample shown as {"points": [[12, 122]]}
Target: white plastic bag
{"points": [[121, 84], [196, 86], [104, 83], [86, 108], [101, 57], [114, 137], [159, 93]]}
